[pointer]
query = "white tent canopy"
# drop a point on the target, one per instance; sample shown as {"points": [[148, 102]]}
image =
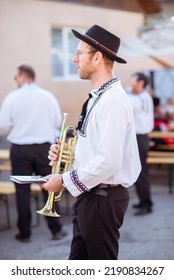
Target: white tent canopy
{"points": [[155, 45]]}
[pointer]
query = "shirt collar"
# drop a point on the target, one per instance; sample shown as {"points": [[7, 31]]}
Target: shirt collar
{"points": [[96, 92], [29, 85]]}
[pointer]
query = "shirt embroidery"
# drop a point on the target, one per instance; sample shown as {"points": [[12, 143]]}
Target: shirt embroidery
{"points": [[75, 179], [99, 94]]}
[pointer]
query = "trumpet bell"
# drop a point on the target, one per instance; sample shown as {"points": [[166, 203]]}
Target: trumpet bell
{"points": [[46, 211], [49, 208]]}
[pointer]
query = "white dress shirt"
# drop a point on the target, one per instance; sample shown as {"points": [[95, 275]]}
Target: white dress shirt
{"points": [[30, 115], [143, 111], [106, 149]]}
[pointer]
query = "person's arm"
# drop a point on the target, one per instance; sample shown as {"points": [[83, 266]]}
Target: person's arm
{"points": [[5, 116]]}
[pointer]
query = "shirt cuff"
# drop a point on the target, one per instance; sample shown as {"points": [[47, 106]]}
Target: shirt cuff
{"points": [[73, 184]]}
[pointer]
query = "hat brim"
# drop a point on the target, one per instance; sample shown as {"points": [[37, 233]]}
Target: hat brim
{"points": [[95, 45]]}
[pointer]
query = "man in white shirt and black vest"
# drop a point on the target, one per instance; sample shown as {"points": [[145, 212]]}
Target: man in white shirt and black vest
{"points": [[106, 154]]}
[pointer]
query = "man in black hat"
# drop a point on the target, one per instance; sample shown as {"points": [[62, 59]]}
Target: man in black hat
{"points": [[106, 155]]}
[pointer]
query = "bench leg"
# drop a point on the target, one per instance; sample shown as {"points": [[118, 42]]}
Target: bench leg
{"points": [[5, 200], [170, 171], [8, 214], [36, 198]]}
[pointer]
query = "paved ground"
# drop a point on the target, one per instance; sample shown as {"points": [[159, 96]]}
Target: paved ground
{"points": [[142, 238]]}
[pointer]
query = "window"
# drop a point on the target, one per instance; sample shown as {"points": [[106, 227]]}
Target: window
{"points": [[63, 48]]}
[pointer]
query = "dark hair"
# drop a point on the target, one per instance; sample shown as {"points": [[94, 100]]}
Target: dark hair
{"points": [[156, 101], [107, 60], [142, 77], [27, 70]]}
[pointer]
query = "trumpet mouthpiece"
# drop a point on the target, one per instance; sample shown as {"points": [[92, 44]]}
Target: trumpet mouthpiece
{"points": [[65, 115]]}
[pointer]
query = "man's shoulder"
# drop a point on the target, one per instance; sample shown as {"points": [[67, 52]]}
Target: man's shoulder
{"points": [[47, 95], [45, 92], [145, 92], [147, 95], [13, 93]]}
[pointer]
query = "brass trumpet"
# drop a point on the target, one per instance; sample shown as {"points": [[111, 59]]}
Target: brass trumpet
{"points": [[63, 164]]}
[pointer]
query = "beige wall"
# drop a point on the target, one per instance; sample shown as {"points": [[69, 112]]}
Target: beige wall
{"points": [[25, 38]]}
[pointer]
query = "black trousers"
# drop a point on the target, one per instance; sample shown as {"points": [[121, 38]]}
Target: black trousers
{"points": [[96, 224], [143, 186], [28, 160]]}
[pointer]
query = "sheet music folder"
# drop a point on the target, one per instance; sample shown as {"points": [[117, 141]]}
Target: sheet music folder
{"points": [[27, 179]]}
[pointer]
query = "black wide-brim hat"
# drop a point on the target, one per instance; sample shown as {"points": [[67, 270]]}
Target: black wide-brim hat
{"points": [[102, 40]]}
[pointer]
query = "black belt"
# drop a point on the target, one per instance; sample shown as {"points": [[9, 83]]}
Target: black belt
{"points": [[100, 189]]}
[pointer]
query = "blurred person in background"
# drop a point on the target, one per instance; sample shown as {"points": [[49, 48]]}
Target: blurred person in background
{"points": [[143, 110], [30, 117], [161, 123], [169, 110]]}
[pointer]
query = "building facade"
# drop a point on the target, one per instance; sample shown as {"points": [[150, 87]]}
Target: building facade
{"points": [[38, 33]]}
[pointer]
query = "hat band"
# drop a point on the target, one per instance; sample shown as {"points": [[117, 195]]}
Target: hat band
{"points": [[100, 45]]}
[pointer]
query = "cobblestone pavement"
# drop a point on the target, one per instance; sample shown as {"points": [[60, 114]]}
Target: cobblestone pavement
{"points": [[142, 238]]}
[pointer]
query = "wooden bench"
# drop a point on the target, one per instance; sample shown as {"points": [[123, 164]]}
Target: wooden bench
{"points": [[163, 158], [164, 154], [5, 166], [4, 154], [161, 134], [8, 188]]}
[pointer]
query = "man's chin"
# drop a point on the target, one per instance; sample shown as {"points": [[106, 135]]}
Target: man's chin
{"points": [[83, 77]]}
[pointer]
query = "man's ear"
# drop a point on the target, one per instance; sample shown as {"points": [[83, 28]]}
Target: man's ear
{"points": [[98, 57], [141, 83]]}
